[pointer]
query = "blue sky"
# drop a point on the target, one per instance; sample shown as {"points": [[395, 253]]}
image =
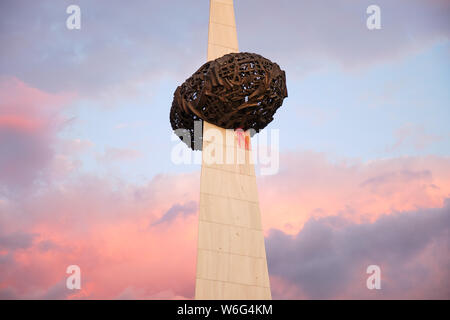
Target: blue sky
{"points": [[353, 93], [347, 114]]}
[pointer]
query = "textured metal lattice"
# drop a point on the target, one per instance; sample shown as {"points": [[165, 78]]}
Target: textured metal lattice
{"points": [[238, 90]]}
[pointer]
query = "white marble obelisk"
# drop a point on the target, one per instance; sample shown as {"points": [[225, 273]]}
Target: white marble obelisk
{"points": [[231, 257]]}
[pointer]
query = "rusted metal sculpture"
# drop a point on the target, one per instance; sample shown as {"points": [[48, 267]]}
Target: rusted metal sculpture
{"points": [[237, 90]]}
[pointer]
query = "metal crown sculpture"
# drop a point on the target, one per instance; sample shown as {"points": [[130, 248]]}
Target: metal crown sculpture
{"points": [[237, 90]]}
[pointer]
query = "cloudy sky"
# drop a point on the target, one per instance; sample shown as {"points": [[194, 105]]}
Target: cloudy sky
{"points": [[86, 176]]}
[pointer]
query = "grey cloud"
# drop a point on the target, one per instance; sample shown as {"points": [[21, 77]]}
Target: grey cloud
{"points": [[177, 210], [304, 33], [118, 43], [8, 294], [121, 43], [58, 291], [47, 245], [23, 156], [17, 240], [403, 176], [328, 257]]}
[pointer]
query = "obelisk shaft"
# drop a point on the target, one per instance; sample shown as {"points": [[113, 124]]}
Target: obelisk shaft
{"points": [[231, 257], [222, 35]]}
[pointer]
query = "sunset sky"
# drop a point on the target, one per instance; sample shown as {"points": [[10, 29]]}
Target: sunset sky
{"points": [[86, 176]]}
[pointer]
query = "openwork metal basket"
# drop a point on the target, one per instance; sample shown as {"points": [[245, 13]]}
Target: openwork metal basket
{"points": [[237, 90]]}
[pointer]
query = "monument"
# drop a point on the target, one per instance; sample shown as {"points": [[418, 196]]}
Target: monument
{"points": [[226, 101]]}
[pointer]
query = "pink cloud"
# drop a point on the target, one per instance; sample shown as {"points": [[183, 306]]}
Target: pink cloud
{"points": [[140, 241], [412, 135], [311, 185], [107, 230], [29, 120]]}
